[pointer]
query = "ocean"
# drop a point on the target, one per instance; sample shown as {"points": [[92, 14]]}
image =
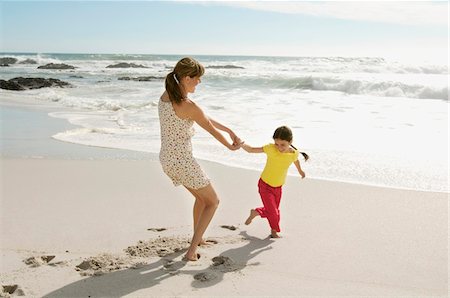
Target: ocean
{"points": [[362, 120]]}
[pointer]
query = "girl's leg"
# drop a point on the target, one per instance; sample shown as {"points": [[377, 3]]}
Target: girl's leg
{"points": [[203, 213], [253, 214], [271, 202]]}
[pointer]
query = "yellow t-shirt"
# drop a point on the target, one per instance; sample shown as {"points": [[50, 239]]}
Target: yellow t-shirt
{"points": [[277, 165]]}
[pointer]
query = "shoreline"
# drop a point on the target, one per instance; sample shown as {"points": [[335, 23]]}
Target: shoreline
{"points": [[73, 151]]}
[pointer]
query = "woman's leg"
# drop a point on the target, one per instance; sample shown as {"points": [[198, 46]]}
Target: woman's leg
{"points": [[203, 213], [199, 205]]}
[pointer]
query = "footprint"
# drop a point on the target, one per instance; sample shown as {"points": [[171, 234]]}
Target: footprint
{"points": [[10, 289], [225, 264], [173, 266], [219, 260], [208, 242], [85, 265], [47, 259], [232, 228], [38, 261], [156, 229], [205, 276]]}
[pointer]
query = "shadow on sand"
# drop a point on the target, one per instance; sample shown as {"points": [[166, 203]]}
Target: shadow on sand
{"points": [[124, 282]]}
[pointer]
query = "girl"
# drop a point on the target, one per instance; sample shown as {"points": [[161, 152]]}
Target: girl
{"points": [[280, 156], [177, 114]]}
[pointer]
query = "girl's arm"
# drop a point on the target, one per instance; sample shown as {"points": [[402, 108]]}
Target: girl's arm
{"points": [[299, 169], [251, 149], [196, 113]]}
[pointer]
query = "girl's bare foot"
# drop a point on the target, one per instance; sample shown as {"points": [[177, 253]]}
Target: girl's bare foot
{"points": [[274, 234], [252, 215]]}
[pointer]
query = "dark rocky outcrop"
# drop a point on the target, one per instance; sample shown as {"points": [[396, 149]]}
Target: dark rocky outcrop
{"points": [[56, 66], [126, 65], [19, 83], [224, 66], [28, 61], [7, 60], [142, 79]]}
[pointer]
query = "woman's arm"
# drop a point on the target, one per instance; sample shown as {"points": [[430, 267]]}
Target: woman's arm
{"points": [[299, 168], [219, 125], [251, 149], [196, 113], [233, 136]]}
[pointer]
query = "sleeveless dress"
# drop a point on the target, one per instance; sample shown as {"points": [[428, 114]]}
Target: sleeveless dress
{"points": [[175, 155]]}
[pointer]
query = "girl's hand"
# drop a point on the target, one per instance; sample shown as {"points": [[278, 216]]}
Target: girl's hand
{"points": [[302, 174], [235, 138]]}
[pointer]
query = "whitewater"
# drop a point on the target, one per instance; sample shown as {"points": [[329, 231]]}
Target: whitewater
{"points": [[362, 120]]}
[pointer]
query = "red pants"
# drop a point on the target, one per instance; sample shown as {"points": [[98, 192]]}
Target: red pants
{"points": [[271, 197]]}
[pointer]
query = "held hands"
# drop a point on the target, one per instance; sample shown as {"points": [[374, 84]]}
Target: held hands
{"points": [[237, 142]]}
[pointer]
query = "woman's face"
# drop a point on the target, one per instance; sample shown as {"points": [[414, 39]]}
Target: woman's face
{"points": [[282, 145], [189, 83]]}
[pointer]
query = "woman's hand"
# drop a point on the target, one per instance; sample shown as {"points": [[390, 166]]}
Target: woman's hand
{"points": [[235, 138], [237, 144]]}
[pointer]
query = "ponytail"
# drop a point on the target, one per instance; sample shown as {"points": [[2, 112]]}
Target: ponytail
{"points": [[305, 156], [173, 88]]}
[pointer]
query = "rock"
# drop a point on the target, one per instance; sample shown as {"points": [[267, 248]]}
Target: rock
{"points": [[56, 66], [7, 60], [20, 83], [126, 65], [10, 85], [28, 61], [141, 79], [4, 65]]}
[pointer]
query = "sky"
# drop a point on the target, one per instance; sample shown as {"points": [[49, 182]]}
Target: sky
{"points": [[407, 30]]}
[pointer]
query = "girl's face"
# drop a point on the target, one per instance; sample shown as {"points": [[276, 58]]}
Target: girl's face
{"points": [[282, 145], [189, 83]]}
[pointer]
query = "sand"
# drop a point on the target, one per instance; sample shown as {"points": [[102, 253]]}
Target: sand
{"points": [[120, 228]]}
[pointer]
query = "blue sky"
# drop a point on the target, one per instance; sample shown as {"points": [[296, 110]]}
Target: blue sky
{"points": [[415, 30]]}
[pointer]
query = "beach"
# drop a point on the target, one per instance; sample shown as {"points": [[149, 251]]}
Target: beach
{"points": [[116, 216]]}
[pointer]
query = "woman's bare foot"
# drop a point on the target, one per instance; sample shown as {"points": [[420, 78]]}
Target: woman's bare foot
{"points": [[274, 234], [191, 258], [207, 242], [253, 214]]}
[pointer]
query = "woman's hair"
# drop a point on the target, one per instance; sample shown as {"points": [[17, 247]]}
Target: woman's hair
{"points": [[185, 67], [285, 133]]}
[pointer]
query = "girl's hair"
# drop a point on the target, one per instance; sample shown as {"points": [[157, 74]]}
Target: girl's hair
{"points": [[285, 133], [185, 67]]}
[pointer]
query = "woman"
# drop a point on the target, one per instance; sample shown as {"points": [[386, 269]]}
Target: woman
{"points": [[177, 114]]}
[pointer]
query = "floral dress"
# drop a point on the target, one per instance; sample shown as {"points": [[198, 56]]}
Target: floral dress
{"points": [[176, 156]]}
